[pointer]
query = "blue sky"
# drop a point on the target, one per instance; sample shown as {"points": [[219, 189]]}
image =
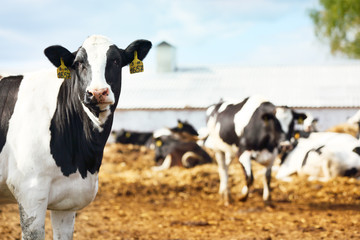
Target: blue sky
{"points": [[205, 32]]}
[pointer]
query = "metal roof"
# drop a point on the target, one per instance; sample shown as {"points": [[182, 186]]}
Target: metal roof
{"points": [[303, 86]]}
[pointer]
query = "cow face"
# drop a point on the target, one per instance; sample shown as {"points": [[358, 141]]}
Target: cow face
{"points": [[288, 118], [96, 72]]}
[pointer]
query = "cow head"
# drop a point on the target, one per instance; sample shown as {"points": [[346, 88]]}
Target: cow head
{"points": [[288, 119], [184, 126], [96, 72]]}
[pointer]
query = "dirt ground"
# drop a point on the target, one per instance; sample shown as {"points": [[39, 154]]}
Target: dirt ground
{"points": [[134, 202]]}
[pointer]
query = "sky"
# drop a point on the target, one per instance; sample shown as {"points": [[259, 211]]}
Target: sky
{"points": [[204, 32]]}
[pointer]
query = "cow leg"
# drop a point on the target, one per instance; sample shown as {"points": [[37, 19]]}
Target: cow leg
{"points": [[190, 159], [245, 161], [32, 221], [63, 224], [223, 167], [165, 165], [266, 192], [267, 159]]}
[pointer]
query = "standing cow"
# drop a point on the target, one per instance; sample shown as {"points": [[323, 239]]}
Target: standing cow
{"points": [[251, 129], [53, 133]]}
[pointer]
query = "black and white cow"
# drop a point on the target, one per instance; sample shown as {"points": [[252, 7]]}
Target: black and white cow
{"points": [[322, 156], [171, 151], [133, 137], [182, 131], [251, 129], [53, 133]]}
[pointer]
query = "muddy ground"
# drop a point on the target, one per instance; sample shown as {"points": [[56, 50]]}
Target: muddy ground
{"points": [[134, 202]]}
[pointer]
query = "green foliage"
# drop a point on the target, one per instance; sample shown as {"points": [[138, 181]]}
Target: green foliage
{"points": [[339, 23]]}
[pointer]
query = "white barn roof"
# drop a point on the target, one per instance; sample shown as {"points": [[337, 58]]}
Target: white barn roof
{"points": [[305, 86]]}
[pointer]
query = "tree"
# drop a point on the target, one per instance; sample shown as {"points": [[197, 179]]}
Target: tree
{"points": [[339, 23]]}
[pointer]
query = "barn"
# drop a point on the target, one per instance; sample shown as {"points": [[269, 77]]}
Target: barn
{"points": [[152, 100]]}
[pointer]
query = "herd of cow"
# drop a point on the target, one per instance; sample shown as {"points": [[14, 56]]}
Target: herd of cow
{"points": [[254, 129], [53, 132]]}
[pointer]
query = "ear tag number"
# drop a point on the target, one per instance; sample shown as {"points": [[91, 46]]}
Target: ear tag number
{"points": [[136, 65], [63, 71], [300, 120], [180, 125]]}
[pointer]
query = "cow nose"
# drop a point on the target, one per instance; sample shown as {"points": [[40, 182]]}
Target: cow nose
{"points": [[98, 94]]}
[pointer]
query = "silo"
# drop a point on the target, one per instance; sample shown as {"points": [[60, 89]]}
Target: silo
{"points": [[166, 57]]}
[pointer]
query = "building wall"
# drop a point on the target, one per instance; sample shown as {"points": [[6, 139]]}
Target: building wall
{"points": [[329, 117], [150, 120]]}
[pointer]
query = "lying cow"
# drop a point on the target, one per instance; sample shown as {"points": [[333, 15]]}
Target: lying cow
{"points": [[183, 131], [53, 132], [170, 151], [323, 156], [133, 137], [251, 129]]}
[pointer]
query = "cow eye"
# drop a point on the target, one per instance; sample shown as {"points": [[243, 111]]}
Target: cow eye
{"points": [[79, 65], [116, 62]]}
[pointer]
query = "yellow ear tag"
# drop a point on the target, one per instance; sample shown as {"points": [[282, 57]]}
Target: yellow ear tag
{"points": [[63, 71], [136, 65], [180, 125], [158, 143], [127, 135], [300, 120], [297, 135]]}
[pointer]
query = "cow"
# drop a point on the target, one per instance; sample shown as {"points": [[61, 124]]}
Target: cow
{"points": [[53, 132], [133, 137], [310, 123], [322, 156], [171, 151], [182, 131], [252, 129]]}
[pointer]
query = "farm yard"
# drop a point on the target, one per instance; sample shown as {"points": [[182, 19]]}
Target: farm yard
{"points": [[134, 202]]}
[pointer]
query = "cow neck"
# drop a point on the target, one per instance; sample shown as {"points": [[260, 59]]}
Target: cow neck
{"points": [[76, 144]]}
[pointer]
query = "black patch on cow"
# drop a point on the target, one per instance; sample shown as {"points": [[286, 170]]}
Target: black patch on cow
{"points": [[317, 150], [351, 172], [263, 130], [9, 89], [357, 150], [226, 120], [75, 144]]}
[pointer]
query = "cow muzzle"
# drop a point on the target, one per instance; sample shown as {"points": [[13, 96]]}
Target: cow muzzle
{"points": [[285, 146], [98, 96]]}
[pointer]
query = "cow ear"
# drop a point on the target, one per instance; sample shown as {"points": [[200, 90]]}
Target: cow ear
{"points": [[299, 116], [55, 53], [141, 46]]}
